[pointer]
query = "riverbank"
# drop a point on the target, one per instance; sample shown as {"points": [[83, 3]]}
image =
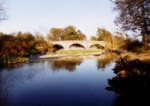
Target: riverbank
{"points": [[130, 56], [59, 54], [76, 52], [13, 60], [72, 53], [144, 57]]}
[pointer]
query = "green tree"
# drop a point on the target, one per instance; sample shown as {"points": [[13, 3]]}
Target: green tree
{"points": [[67, 33], [55, 34], [104, 35], [71, 33], [93, 38]]}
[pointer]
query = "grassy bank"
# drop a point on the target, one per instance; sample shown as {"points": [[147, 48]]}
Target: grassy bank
{"points": [[13, 60], [145, 57], [75, 52]]}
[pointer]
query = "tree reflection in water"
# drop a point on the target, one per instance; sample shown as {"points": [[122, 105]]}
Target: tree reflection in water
{"points": [[132, 83], [66, 63], [70, 64], [104, 60]]}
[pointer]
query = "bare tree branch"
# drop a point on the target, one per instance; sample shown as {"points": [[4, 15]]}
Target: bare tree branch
{"points": [[134, 15]]}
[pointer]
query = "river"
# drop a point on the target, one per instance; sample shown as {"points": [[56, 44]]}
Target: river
{"points": [[73, 81]]}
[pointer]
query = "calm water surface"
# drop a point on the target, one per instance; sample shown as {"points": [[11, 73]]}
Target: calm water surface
{"points": [[60, 82]]}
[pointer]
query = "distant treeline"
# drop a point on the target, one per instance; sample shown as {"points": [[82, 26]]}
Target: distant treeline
{"points": [[22, 44], [26, 44]]}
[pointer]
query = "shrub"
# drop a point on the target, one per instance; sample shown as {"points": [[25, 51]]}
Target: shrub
{"points": [[133, 46]]}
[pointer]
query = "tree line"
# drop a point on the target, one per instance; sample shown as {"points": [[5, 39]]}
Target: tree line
{"points": [[22, 44], [25, 44]]}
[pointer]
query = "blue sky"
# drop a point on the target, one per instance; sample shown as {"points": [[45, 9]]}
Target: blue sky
{"points": [[41, 15]]}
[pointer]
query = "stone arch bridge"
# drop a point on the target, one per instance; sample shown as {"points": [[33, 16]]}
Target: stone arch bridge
{"points": [[84, 44]]}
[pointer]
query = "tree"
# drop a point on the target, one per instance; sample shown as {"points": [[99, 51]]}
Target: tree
{"points": [[71, 33], [118, 38], [81, 35], [56, 34], [22, 44], [134, 15], [104, 35], [67, 33], [93, 38]]}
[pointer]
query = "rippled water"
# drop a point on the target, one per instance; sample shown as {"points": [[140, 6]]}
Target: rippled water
{"points": [[65, 82]]}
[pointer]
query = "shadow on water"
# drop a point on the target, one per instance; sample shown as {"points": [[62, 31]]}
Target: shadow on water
{"points": [[131, 83]]}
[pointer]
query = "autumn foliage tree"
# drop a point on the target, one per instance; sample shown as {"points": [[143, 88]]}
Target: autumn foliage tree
{"points": [[67, 33], [103, 35], [22, 44], [134, 15], [94, 38]]}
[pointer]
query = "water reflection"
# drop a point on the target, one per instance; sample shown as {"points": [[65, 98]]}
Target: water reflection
{"points": [[104, 60], [65, 81], [69, 64], [132, 83]]}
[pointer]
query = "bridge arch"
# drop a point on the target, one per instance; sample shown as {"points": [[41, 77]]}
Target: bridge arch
{"points": [[66, 45], [76, 46], [58, 47], [97, 46]]}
